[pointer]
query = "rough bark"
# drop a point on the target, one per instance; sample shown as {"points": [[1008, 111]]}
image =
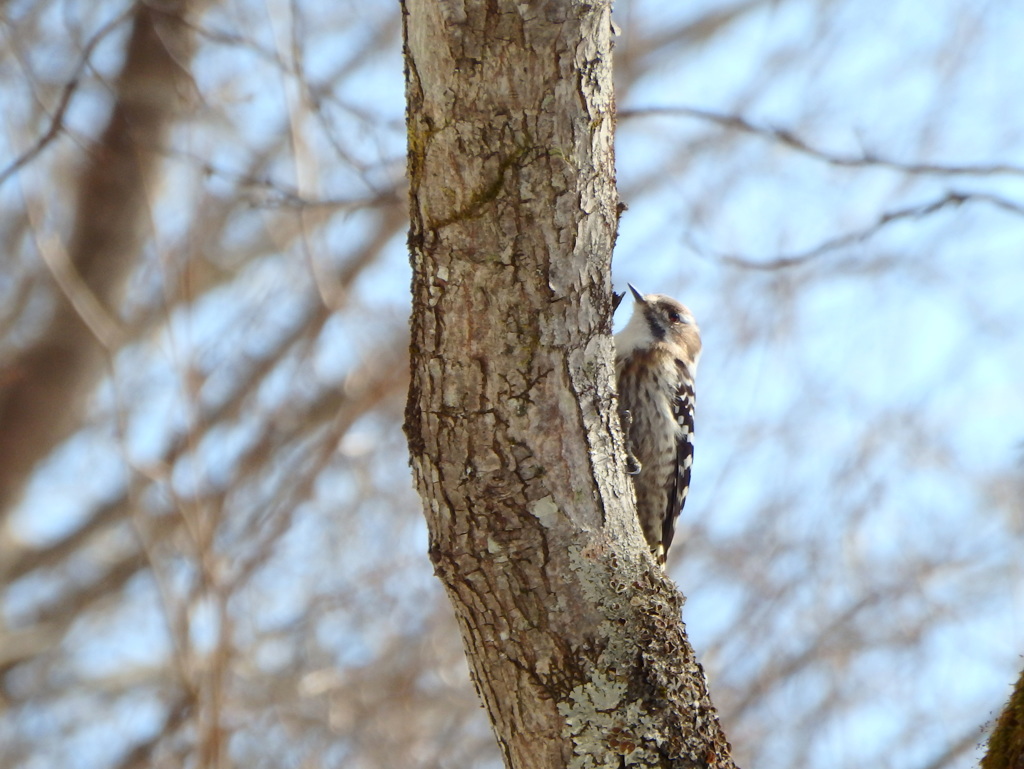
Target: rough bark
{"points": [[573, 635], [41, 391], [1006, 745]]}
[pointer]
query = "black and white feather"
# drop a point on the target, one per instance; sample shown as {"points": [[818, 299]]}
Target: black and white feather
{"points": [[656, 357]]}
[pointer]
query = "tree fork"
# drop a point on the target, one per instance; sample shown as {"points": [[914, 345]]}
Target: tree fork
{"points": [[573, 635]]}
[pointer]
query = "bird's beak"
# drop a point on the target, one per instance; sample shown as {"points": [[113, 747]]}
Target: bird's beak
{"points": [[636, 294]]}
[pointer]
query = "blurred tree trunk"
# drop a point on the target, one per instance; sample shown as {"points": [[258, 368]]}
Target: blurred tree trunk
{"points": [[42, 390], [573, 635]]}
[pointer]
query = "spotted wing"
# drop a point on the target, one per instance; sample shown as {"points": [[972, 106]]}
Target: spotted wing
{"points": [[679, 482]]}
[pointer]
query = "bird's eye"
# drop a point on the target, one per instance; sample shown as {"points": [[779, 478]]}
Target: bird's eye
{"points": [[674, 316]]}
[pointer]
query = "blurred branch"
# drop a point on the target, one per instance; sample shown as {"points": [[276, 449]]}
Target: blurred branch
{"points": [[956, 749], [794, 142], [47, 383], [115, 511], [278, 194], [142, 754], [642, 51], [52, 621], [305, 327], [338, 408], [70, 87], [951, 199], [364, 389]]}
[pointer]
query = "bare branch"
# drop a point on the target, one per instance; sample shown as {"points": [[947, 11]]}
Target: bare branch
{"points": [[794, 142], [46, 385], [70, 87], [951, 199]]}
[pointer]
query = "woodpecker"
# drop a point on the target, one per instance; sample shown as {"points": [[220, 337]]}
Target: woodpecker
{"points": [[656, 358]]}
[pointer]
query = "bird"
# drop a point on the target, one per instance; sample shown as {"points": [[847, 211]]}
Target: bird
{"points": [[656, 357]]}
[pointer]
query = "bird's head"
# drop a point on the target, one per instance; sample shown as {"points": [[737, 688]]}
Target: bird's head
{"points": [[658, 319]]}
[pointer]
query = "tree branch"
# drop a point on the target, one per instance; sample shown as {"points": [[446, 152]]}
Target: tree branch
{"points": [[796, 143], [56, 125], [951, 199], [46, 385]]}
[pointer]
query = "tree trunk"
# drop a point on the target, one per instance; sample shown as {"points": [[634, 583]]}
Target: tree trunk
{"points": [[41, 392], [573, 635], [1006, 745]]}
